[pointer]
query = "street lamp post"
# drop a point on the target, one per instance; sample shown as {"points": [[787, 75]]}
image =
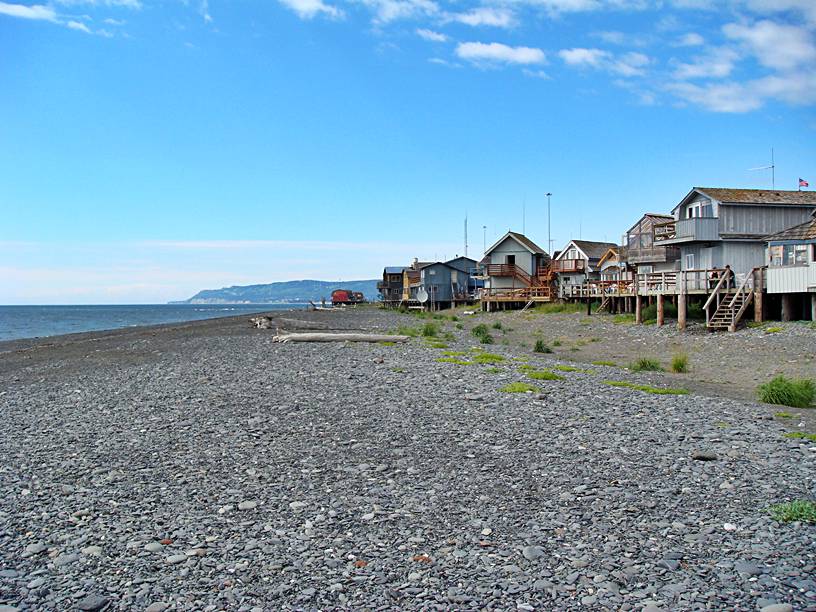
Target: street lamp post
{"points": [[484, 239], [549, 230]]}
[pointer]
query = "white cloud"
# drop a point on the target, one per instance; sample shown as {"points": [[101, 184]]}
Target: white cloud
{"points": [[806, 8], [718, 97], [431, 35], [581, 57], [308, 9], [477, 52], [34, 11], [131, 4], [692, 39], [204, 11], [485, 16], [775, 45], [630, 64], [387, 11], [76, 25], [114, 22], [717, 63], [613, 37], [536, 74]]}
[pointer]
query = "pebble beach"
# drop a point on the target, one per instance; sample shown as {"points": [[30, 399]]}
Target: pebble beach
{"points": [[203, 466]]}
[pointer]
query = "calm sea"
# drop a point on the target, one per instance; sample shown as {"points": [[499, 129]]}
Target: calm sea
{"points": [[37, 321]]}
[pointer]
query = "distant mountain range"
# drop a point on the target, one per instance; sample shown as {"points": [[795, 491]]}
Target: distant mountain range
{"points": [[288, 291]]}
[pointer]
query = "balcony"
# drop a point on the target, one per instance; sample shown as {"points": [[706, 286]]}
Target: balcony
{"points": [[652, 254], [697, 229], [566, 266]]}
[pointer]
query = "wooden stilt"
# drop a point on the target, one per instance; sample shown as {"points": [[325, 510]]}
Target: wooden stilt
{"points": [[787, 307], [759, 306], [638, 309], [589, 306], [813, 307], [681, 311], [660, 299]]}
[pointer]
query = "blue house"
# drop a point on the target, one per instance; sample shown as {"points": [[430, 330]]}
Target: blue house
{"points": [[449, 283]]}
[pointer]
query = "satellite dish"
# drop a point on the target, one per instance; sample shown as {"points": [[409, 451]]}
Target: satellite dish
{"points": [[422, 296]]}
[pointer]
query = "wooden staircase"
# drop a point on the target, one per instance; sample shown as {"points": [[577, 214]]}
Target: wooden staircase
{"points": [[606, 300], [729, 307]]}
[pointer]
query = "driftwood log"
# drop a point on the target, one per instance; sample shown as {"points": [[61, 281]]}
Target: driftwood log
{"points": [[333, 337], [265, 322]]}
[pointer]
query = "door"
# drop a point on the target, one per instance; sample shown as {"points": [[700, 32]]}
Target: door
{"points": [[511, 260]]}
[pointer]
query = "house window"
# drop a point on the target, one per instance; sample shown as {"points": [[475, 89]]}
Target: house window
{"points": [[689, 261], [775, 255], [794, 255], [511, 260], [645, 269]]}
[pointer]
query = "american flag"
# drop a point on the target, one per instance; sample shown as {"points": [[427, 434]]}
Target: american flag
{"points": [[803, 183]]}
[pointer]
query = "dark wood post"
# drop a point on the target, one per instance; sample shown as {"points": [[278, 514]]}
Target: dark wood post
{"points": [[660, 299], [638, 309], [681, 310]]}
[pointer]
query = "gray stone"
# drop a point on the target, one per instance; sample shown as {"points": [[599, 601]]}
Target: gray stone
{"points": [[175, 559], [92, 603], [248, 505], [777, 607], [156, 607], [531, 553], [36, 548], [704, 455], [66, 559], [153, 547]]}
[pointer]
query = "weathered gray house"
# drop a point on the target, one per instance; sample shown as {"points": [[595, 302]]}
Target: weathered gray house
{"points": [[715, 227], [390, 287], [578, 263], [446, 285], [513, 262], [792, 270]]}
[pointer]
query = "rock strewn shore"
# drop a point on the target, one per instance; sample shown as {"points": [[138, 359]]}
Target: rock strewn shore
{"points": [[204, 467]]}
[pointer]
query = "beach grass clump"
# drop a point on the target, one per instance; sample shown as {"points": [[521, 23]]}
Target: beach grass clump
{"points": [[411, 332], [602, 362], [695, 312], [541, 347], [454, 353], [454, 360], [544, 375], [519, 387], [800, 435], [783, 415], [487, 358], [646, 388], [493, 370], [646, 364], [798, 393], [754, 324], [459, 326], [773, 330], [650, 312], [497, 325], [679, 363], [482, 333], [556, 342], [623, 319], [387, 343], [803, 511], [437, 344], [567, 368], [430, 329], [398, 370]]}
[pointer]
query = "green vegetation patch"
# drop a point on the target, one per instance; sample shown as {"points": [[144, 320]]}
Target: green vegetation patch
{"points": [[646, 364], [568, 368], [773, 330], [541, 347], [454, 360], [623, 319], [482, 333], [783, 415], [544, 375], [519, 387], [800, 510], [650, 312], [611, 364], [679, 364], [783, 391], [387, 343], [800, 435], [454, 353], [646, 388], [430, 329], [556, 307], [404, 330], [493, 370], [487, 358]]}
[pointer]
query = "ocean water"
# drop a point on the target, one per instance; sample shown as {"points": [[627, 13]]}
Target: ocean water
{"points": [[39, 321]]}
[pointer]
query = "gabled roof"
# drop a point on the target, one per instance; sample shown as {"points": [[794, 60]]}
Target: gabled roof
{"points": [[592, 249], [759, 196], [803, 231], [611, 252], [753, 197], [462, 257], [522, 240], [394, 269]]}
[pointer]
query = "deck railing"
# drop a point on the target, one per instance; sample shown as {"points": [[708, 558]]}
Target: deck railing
{"points": [[568, 265], [510, 270]]}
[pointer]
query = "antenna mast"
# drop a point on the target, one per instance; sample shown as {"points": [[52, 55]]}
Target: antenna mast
{"points": [[466, 235], [772, 168]]}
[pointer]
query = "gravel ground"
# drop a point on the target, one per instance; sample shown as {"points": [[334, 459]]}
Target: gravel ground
{"points": [[203, 467]]}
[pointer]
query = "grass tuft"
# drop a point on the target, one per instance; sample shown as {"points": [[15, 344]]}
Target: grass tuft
{"points": [[454, 353], [497, 325], [404, 330], [645, 364], [679, 364], [623, 319], [646, 388], [556, 308], [783, 415], [487, 358], [387, 343], [605, 363], [800, 510], [800, 435], [544, 375], [568, 368], [430, 330], [482, 333], [541, 347], [773, 330], [783, 391], [519, 387], [493, 370], [454, 360]]}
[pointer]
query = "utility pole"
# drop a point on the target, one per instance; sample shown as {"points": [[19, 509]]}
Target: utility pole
{"points": [[549, 227], [466, 235]]}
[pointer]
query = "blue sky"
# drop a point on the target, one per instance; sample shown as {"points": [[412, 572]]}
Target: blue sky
{"points": [[152, 149]]}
